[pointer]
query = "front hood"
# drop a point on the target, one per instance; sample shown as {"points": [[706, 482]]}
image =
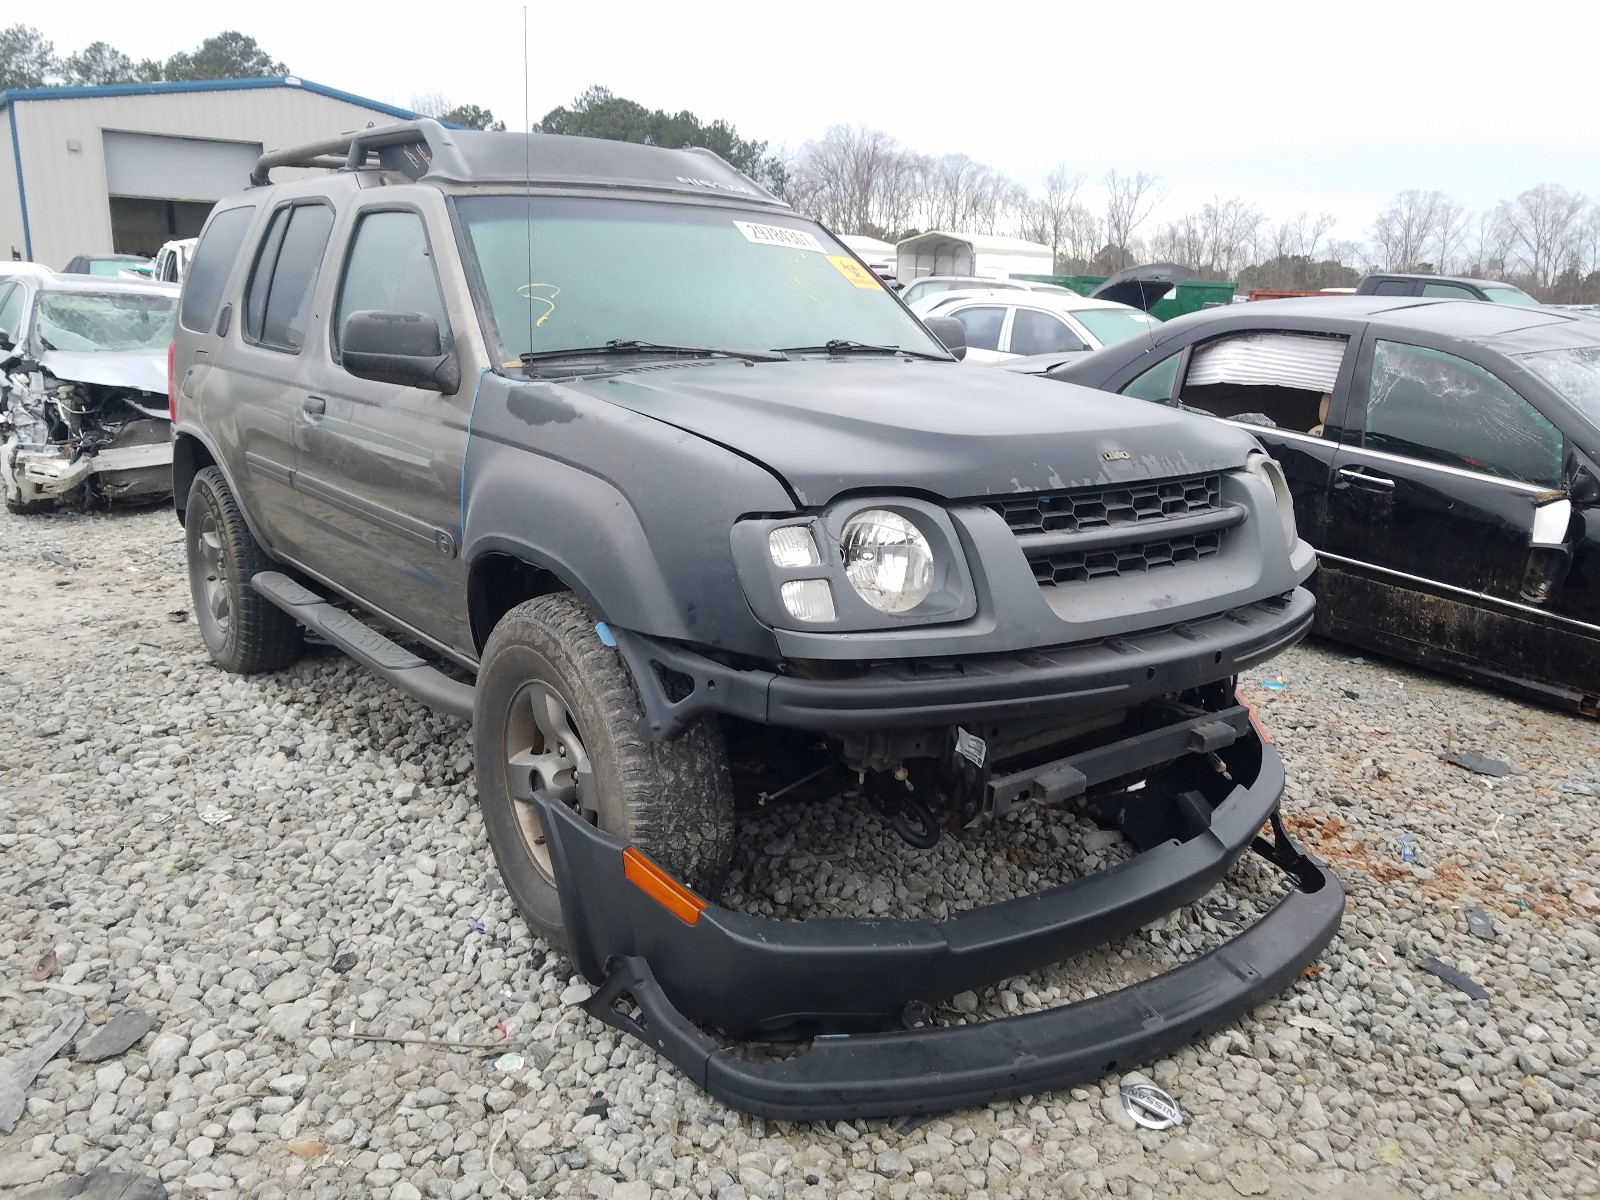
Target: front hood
{"points": [[145, 370], [947, 430]]}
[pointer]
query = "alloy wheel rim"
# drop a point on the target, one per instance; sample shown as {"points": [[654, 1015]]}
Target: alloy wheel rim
{"points": [[214, 575], [545, 752]]}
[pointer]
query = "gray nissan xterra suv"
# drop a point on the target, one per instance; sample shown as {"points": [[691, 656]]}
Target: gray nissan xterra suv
{"points": [[662, 470]]}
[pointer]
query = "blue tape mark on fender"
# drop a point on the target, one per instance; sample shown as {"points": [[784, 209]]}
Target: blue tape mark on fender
{"points": [[603, 632]]}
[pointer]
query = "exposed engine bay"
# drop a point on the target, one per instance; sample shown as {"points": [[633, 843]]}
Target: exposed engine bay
{"points": [[80, 431]]}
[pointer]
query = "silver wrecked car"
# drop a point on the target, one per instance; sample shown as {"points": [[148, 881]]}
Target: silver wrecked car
{"points": [[83, 381]]}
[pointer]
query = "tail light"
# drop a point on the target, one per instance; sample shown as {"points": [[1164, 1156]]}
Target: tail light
{"points": [[172, 383]]}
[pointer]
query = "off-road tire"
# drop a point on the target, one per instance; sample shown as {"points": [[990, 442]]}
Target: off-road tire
{"points": [[673, 800], [256, 635]]}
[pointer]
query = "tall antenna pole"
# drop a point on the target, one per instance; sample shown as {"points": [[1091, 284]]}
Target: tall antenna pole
{"points": [[527, 170]]}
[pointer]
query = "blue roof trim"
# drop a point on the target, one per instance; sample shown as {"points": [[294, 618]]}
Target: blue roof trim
{"points": [[201, 85]]}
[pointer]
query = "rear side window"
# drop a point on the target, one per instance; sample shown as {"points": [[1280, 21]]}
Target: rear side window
{"points": [[389, 268], [277, 302], [213, 263], [1393, 287], [1450, 291], [982, 326]]}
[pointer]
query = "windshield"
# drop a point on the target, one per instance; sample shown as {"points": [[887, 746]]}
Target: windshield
{"points": [[1575, 373], [565, 273], [109, 323], [1510, 295], [1114, 324]]}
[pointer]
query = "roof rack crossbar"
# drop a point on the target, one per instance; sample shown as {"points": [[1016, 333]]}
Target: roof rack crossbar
{"points": [[348, 151]]}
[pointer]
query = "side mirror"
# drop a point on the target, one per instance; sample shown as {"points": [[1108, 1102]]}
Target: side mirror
{"points": [[402, 348], [950, 332], [1584, 488]]}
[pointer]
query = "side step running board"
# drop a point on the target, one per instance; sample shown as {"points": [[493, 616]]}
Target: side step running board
{"points": [[367, 646]]}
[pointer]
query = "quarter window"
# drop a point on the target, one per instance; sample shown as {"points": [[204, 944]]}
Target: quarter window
{"points": [[982, 326], [277, 305], [212, 264], [1156, 383], [1035, 332], [389, 268], [1431, 405]]}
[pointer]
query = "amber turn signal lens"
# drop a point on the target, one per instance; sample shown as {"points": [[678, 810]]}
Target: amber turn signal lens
{"points": [[661, 887], [1254, 720]]}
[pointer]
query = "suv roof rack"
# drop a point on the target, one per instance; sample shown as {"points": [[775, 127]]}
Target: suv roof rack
{"points": [[424, 150], [422, 138]]}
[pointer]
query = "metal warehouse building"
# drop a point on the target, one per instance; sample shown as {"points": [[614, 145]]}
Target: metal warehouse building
{"points": [[122, 169]]}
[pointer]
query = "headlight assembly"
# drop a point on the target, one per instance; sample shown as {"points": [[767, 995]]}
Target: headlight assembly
{"points": [[863, 564], [1263, 465], [887, 560]]}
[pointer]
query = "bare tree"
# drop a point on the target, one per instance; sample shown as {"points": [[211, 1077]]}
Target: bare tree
{"points": [[1049, 217], [1541, 226], [1449, 230], [1409, 227], [1130, 199]]}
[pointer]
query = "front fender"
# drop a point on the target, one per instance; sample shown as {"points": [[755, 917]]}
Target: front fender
{"points": [[631, 513]]}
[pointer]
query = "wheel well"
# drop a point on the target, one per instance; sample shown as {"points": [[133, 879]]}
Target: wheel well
{"points": [[500, 582], [189, 458]]}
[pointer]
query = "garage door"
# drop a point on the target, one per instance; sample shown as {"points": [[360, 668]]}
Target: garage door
{"points": [[147, 165]]}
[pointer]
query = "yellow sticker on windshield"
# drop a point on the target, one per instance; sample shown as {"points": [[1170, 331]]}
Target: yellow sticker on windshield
{"points": [[854, 271]]}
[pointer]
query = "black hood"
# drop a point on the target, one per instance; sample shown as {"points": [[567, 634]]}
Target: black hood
{"points": [[947, 430], [1142, 287]]}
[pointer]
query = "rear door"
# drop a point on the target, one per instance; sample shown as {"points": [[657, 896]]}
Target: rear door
{"points": [[1432, 511], [380, 465], [253, 407]]}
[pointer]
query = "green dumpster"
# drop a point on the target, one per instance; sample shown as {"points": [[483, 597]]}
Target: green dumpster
{"points": [[1191, 296]]}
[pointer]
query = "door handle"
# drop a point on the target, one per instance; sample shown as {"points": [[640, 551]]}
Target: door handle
{"points": [[317, 405], [1355, 476]]}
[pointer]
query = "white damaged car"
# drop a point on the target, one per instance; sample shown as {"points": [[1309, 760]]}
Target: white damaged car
{"points": [[84, 415]]}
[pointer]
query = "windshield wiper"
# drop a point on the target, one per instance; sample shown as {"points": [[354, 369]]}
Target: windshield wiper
{"points": [[634, 346], [846, 346]]}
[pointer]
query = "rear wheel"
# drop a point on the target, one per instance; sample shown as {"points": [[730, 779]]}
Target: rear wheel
{"points": [[243, 631], [557, 711]]}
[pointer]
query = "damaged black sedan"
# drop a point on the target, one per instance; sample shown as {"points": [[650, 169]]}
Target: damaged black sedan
{"points": [[83, 391], [1444, 459]]}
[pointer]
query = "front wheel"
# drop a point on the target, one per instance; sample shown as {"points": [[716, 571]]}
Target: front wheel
{"points": [[243, 631], [557, 711]]}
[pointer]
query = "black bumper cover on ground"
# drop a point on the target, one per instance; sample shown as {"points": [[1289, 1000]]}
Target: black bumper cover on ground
{"points": [[789, 980]]}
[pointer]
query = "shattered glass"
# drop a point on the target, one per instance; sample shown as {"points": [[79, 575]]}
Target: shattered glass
{"points": [[1431, 405], [1575, 373], [109, 323]]}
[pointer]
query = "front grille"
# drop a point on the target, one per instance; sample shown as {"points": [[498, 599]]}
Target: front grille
{"points": [[1094, 508], [1077, 566], [1047, 523]]}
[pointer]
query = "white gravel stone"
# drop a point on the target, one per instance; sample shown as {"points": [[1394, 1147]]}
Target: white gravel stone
{"points": [[337, 898]]}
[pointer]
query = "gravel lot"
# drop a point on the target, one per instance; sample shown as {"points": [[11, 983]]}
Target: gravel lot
{"points": [[347, 888]]}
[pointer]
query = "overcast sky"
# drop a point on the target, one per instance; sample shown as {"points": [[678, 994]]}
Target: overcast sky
{"points": [[1293, 106]]}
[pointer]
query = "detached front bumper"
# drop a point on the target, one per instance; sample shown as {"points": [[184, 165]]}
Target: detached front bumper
{"points": [[861, 991]]}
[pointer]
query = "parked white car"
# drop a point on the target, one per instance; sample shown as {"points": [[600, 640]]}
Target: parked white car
{"points": [[1005, 323], [930, 285], [172, 261]]}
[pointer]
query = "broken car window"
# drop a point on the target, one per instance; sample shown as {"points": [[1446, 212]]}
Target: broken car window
{"points": [[108, 323], [1575, 373], [1276, 380], [1431, 405]]}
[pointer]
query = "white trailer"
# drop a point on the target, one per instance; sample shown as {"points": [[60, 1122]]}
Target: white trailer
{"points": [[984, 255]]}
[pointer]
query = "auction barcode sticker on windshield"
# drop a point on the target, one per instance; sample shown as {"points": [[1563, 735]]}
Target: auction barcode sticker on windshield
{"points": [[777, 235]]}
